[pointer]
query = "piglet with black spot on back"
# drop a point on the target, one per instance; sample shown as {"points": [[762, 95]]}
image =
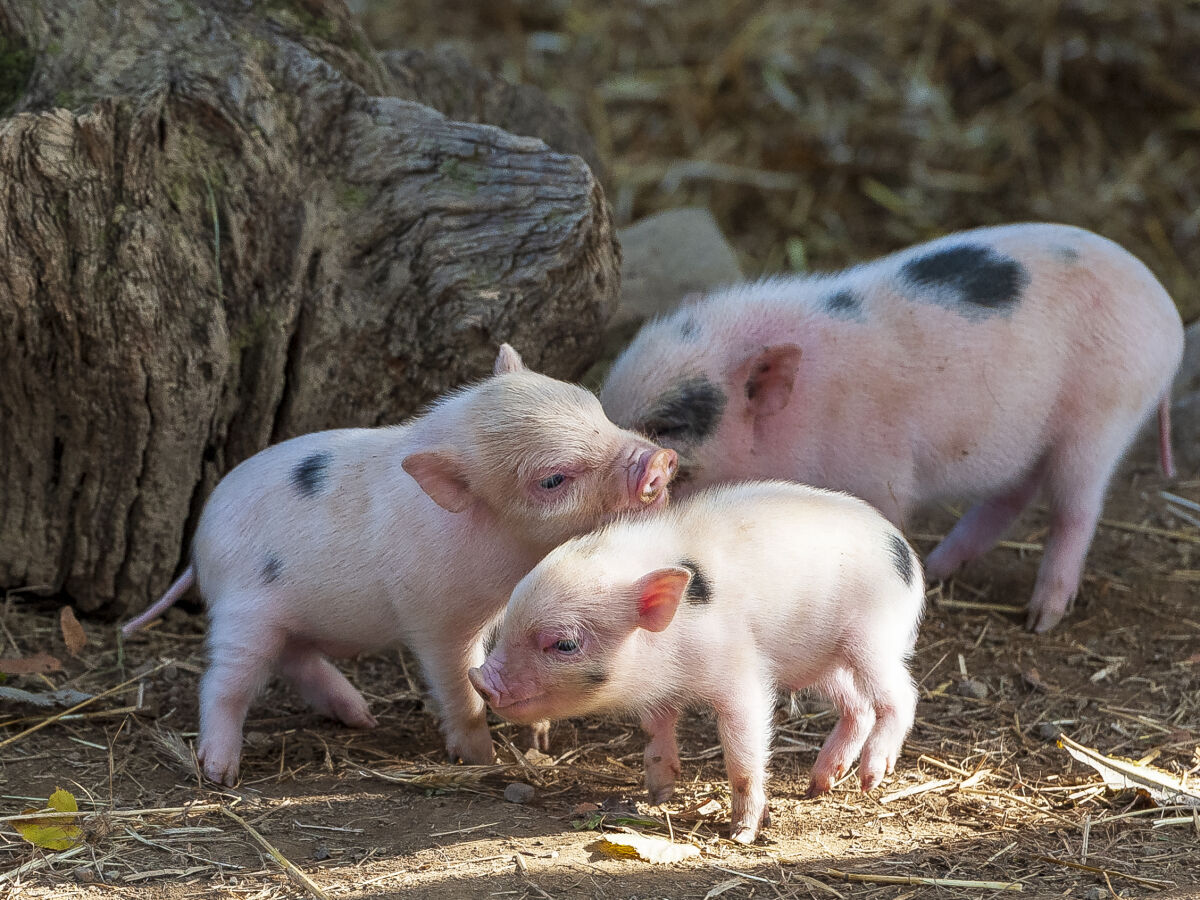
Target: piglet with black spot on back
{"points": [[349, 541], [720, 601], [986, 365]]}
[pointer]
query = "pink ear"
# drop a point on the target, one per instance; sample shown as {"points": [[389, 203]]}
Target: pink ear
{"points": [[659, 594], [442, 476], [507, 360], [768, 377]]}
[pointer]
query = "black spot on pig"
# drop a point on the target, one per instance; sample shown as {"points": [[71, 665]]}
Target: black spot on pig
{"points": [[490, 639], [688, 412], [311, 473], [1066, 255], [699, 590], [978, 280], [689, 328], [271, 568], [845, 302], [902, 558], [594, 676]]}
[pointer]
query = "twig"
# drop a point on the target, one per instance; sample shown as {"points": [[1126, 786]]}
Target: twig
{"points": [[54, 718], [1149, 882], [118, 813], [293, 872], [975, 604], [40, 862], [1151, 529], [917, 879]]}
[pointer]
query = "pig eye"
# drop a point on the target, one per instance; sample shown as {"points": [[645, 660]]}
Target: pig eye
{"points": [[552, 481], [567, 646]]}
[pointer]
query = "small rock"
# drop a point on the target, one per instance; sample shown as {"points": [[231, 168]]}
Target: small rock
{"points": [[1096, 893], [537, 757], [519, 792], [1048, 731], [664, 257], [969, 687]]}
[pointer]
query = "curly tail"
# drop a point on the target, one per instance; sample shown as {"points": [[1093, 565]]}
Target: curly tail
{"points": [[1165, 457], [174, 592]]}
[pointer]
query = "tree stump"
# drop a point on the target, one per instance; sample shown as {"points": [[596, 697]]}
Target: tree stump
{"points": [[220, 228]]}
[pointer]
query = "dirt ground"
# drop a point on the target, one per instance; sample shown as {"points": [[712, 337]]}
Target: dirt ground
{"points": [[982, 792], [957, 122]]}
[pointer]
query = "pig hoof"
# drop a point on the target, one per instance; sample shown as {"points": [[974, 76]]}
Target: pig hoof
{"points": [[472, 752], [816, 789], [220, 771], [1040, 621], [743, 834], [660, 794], [220, 764]]}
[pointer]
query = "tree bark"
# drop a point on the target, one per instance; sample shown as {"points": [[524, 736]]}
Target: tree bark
{"points": [[219, 229]]}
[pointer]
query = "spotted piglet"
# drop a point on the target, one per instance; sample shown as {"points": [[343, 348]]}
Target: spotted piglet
{"points": [[350, 541], [719, 601], [985, 365]]}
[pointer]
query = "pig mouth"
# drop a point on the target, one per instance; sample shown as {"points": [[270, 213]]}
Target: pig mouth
{"points": [[519, 712], [654, 499]]}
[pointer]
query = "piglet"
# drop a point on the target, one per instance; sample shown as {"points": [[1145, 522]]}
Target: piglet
{"points": [[719, 601], [986, 365], [349, 541]]}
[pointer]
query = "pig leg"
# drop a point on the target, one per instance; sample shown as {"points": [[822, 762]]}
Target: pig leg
{"points": [[982, 526], [841, 748], [662, 754], [895, 701], [324, 688], [744, 725], [537, 736], [1075, 484], [240, 661], [463, 712]]}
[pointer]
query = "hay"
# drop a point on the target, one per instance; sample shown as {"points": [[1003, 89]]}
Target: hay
{"points": [[850, 130]]}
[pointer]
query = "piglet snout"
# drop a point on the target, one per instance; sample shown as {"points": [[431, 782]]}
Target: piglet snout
{"points": [[482, 688], [657, 468]]}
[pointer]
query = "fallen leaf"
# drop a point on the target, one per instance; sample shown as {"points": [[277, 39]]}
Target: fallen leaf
{"points": [[724, 886], [1033, 678], [709, 807], [72, 632], [62, 698], [38, 664], [1120, 774], [52, 834], [643, 846]]}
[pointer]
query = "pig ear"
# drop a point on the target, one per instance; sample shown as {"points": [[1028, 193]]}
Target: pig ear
{"points": [[442, 475], [768, 377], [658, 596], [507, 360]]}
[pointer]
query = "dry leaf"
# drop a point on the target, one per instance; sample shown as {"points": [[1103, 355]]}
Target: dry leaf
{"points": [[709, 807], [72, 632], [1120, 774], [61, 698], [724, 886], [53, 834], [38, 664], [643, 846]]}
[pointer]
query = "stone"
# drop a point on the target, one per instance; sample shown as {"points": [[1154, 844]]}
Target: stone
{"points": [[519, 792]]}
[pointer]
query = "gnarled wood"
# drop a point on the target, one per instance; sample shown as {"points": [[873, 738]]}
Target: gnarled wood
{"points": [[217, 230]]}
